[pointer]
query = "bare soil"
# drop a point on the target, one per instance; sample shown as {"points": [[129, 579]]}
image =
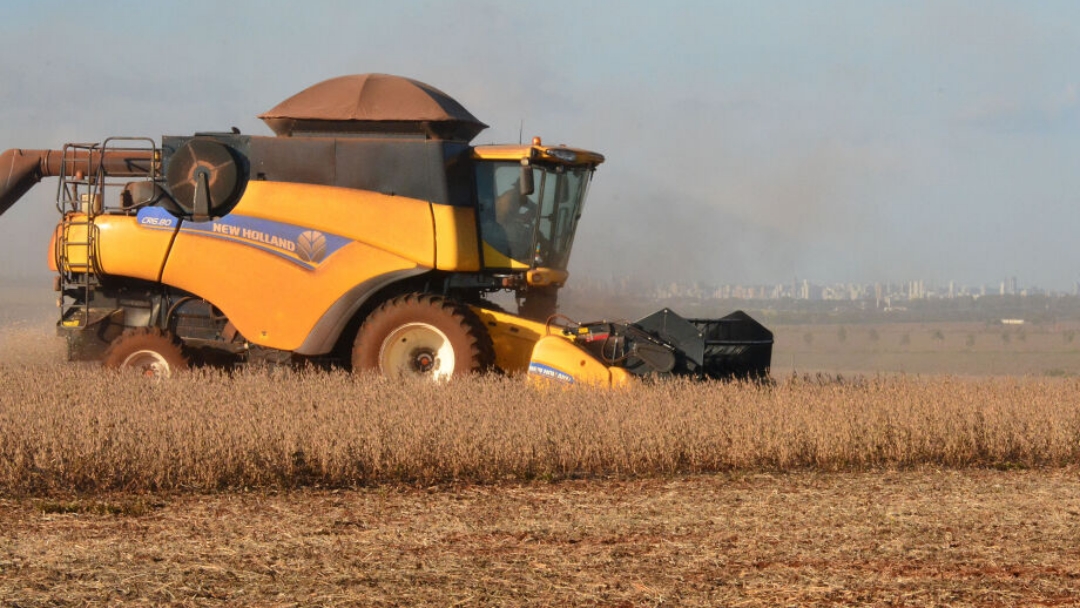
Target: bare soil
{"points": [[971, 537]]}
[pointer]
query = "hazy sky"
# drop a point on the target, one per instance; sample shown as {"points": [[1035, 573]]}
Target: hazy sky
{"points": [[746, 142]]}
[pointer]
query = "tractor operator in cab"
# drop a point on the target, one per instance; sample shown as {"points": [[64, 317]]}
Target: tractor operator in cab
{"points": [[508, 221]]}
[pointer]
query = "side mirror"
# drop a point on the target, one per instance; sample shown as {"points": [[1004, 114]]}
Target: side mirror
{"points": [[527, 186]]}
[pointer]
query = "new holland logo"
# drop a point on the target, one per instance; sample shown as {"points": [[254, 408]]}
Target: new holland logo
{"points": [[311, 246], [299, 245]]}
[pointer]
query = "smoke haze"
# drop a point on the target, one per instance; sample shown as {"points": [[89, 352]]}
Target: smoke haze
{"points": [[746, 142]]}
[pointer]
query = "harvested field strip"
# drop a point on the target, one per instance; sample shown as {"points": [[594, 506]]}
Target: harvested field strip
{"points": [[919, 537], [65, 428]]}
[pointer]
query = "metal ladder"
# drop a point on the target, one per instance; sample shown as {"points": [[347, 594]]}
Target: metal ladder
{"points": [[81, 196]]}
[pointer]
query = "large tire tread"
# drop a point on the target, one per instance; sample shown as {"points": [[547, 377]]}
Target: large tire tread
{"points": [[146, 339], [473, 348]]}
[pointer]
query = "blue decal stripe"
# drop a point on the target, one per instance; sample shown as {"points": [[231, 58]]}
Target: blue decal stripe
{"points": [[300, 245], [546, 371], [271, 250]]}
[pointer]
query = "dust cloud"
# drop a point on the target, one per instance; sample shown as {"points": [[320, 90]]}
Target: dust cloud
{"points": [[28, 324]]}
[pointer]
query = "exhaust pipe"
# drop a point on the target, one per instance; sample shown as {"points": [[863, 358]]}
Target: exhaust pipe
{"points": [[20, 170]]}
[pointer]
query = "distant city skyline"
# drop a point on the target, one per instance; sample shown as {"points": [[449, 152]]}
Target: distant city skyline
{"points": [[806, 289]]}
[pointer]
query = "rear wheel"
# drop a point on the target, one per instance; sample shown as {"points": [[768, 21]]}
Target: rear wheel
{"points": [[422, 336], [148, 350]]}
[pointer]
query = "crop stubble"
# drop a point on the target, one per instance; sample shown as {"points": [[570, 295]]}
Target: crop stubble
{"points": [[898, 538]]}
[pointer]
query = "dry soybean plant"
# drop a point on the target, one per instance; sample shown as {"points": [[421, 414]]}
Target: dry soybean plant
{"points": [[77, 428]]}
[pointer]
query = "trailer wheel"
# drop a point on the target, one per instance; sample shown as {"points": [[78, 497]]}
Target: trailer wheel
{"points": [[418, 335], [149, 350]]}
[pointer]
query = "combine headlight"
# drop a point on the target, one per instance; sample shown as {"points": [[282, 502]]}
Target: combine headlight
{"points": [[566, 156]]}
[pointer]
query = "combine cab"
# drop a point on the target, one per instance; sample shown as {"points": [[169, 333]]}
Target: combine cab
{"points": [[368, 232]]}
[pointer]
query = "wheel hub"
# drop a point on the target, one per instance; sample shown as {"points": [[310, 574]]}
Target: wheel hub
{"points": [[151, 364], [417, 349], [424, 361]]}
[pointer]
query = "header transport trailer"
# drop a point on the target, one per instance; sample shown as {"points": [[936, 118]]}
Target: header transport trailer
{"points": [[366, 232]]}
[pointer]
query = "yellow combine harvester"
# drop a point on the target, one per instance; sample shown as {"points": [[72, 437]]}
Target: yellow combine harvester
{"points": [[368, 232]]}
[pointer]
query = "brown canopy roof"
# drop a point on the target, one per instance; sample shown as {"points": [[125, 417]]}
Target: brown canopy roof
{"points": [[373, 103]]}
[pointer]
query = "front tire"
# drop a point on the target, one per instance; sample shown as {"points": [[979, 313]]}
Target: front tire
{"points": [[419, 335], [149, 350]]}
